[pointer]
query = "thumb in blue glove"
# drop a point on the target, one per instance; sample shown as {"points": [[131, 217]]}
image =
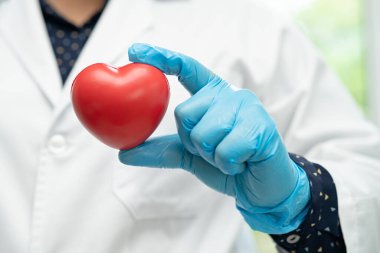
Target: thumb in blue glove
{"points": [[228, 140]]}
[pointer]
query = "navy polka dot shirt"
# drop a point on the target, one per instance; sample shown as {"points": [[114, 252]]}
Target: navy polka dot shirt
{"points": [[320, 232], [66, 39]]}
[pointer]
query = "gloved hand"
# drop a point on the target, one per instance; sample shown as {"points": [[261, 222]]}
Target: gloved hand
{"points": [[228, 140]]}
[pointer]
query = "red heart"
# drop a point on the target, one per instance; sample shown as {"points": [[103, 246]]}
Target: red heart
{"points": [[120, 106]]}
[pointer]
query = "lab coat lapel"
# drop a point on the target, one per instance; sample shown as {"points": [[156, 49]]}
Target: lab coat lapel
{"points": [[32, 46], [119, 26]]}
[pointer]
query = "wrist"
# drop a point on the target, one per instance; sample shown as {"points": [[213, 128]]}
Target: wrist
{"points": [[283, 217]]}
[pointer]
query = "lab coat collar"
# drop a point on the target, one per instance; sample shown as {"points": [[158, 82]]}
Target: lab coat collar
{"points": [[24, 30], [120, 25]]}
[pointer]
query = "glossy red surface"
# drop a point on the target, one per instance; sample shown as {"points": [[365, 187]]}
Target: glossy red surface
{"points": [[120, 106]]}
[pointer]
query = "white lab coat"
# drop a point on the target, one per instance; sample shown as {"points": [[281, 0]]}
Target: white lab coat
{"points": [[62, 191]]}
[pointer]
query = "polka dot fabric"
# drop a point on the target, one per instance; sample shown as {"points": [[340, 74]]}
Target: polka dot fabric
{"points": [[321, 231], [66, 39]]}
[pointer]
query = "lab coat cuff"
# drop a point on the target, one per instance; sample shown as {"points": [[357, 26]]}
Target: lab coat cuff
{"points": [[321, 227]]}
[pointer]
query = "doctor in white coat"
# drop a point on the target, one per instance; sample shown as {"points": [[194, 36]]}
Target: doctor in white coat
{"points": [[63, 191]]}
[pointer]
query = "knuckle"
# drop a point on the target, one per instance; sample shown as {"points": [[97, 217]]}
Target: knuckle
{"points": [[199, 139], [226, 162], [223, 156], [180, 111], [225, 128], [196, 137], [182, 115]]}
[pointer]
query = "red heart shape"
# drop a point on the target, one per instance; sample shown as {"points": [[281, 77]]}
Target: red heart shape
{"points": [[120, 106]]}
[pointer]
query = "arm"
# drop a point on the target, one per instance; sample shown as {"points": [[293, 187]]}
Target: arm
{"points": [[327, 127], [321, 230], [226, 139]]}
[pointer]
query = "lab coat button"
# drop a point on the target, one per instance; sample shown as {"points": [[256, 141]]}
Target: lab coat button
{"points": [[291, 239], [57, 144]]}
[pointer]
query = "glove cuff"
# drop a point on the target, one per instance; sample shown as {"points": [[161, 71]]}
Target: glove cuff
{"points": [[284, 217]]}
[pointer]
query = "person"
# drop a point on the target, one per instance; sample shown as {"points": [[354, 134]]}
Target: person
{"points": [[63, 191]]}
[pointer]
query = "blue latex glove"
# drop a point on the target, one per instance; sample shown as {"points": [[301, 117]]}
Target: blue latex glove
{"points": [[228, 140]]}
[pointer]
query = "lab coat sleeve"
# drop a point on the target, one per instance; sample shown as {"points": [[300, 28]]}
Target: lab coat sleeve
{"points": [[320, 231], [319, 120]]}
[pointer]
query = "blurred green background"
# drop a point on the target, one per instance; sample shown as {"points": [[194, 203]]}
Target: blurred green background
{"points": [[336, 27]]}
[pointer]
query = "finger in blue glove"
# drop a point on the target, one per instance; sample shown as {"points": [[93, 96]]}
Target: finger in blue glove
{"points": [[228, 140]]}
